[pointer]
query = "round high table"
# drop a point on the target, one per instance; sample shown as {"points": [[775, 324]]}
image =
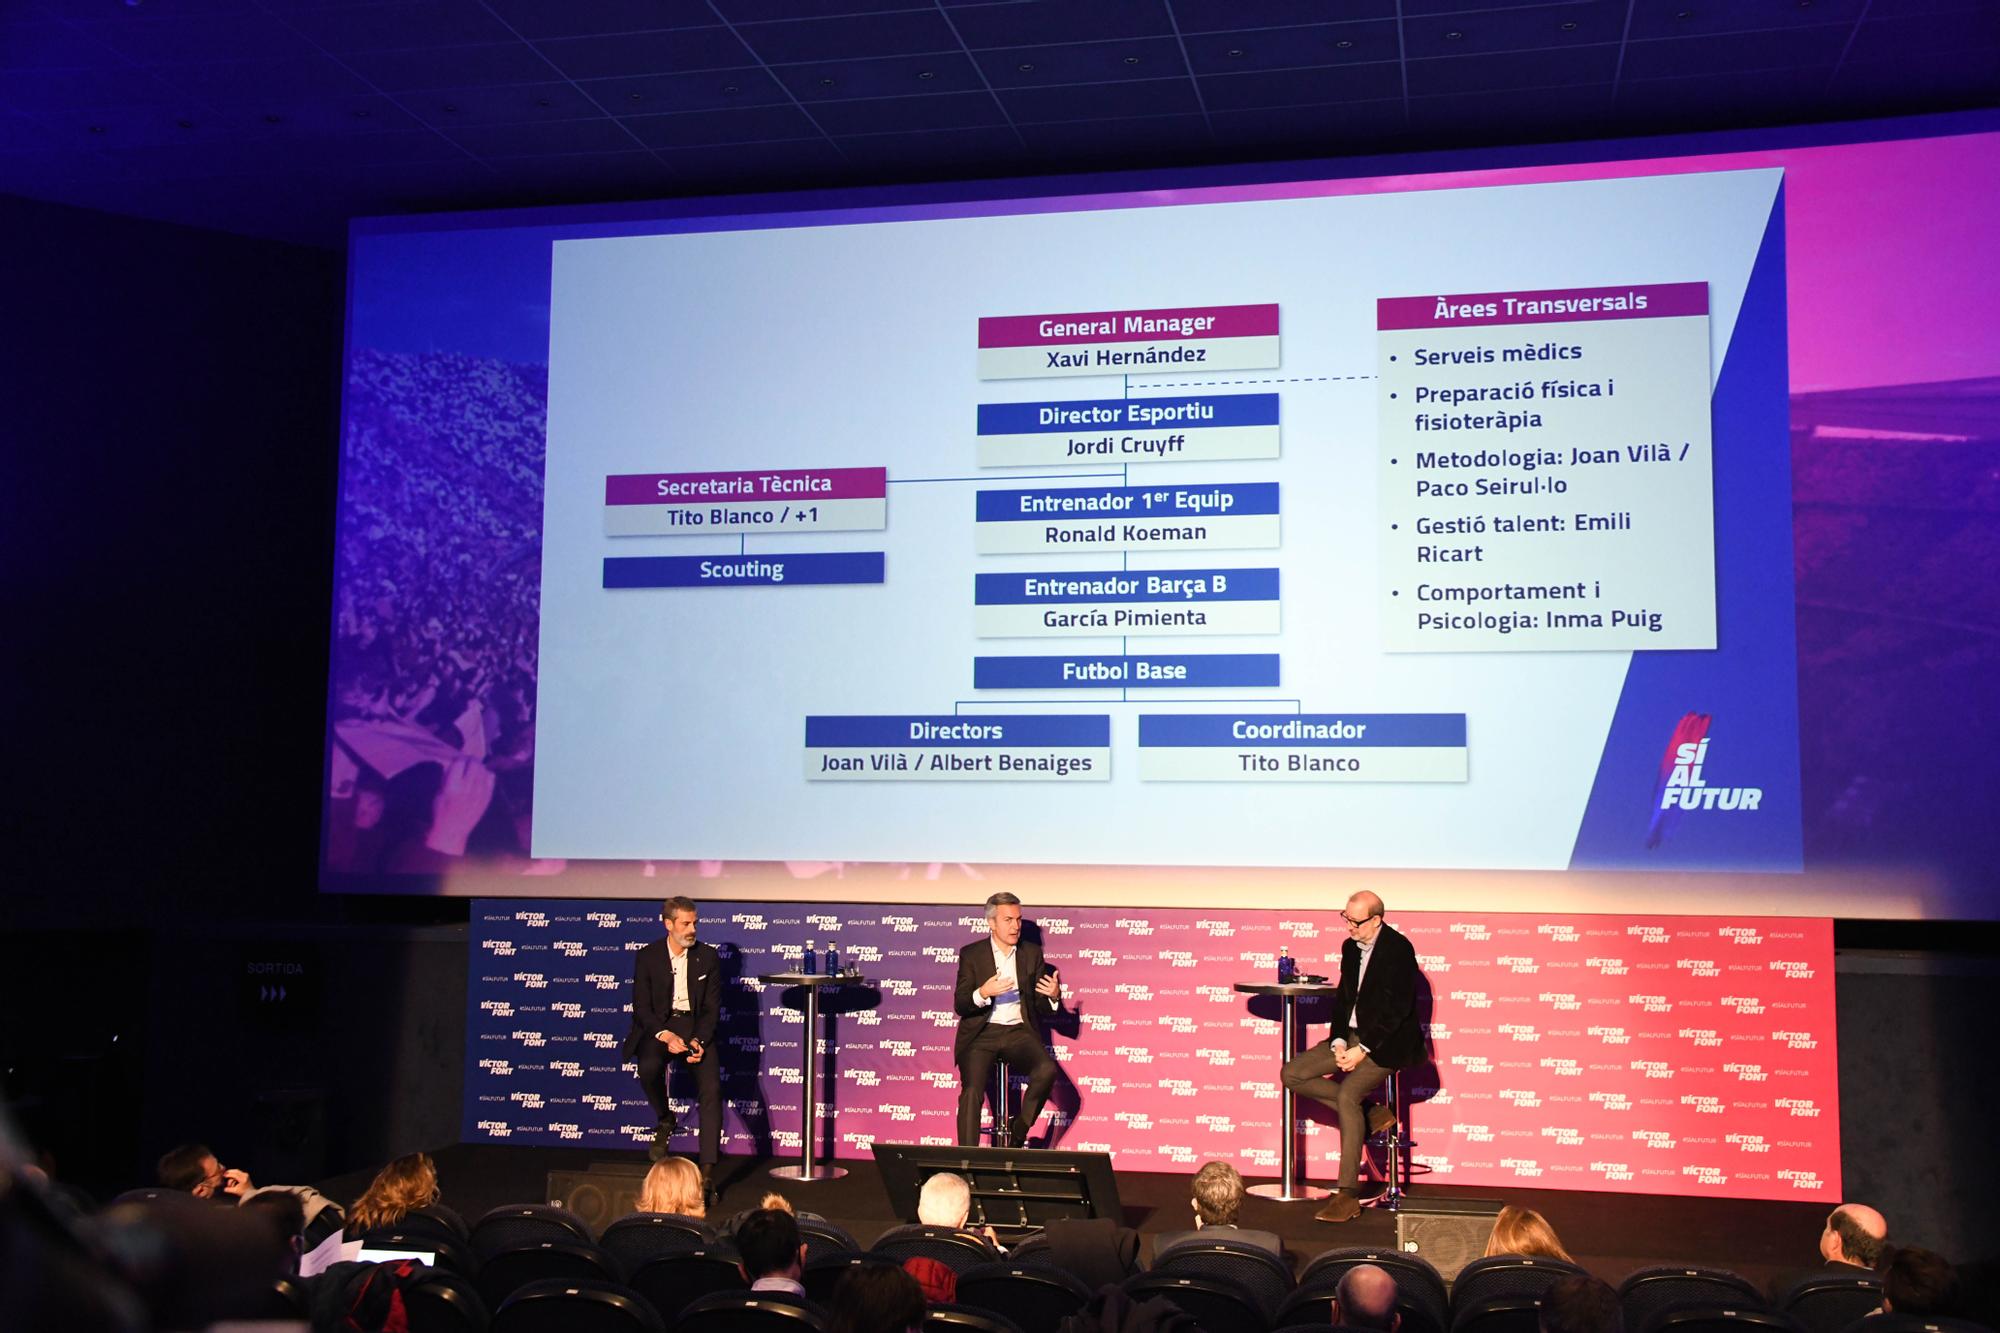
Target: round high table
{"points": [[813, 983], [1289, 1188]]}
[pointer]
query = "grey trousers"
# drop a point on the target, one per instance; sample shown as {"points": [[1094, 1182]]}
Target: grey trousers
{"points": [[1306, 1074]]}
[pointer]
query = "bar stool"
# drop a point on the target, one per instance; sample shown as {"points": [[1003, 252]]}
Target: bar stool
{"points": [[1003, 1111], [1391, 1197]]}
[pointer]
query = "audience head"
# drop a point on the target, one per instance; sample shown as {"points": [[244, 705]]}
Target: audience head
{"points": [[1854, 1234], [1524, 1231], [1919, 1281], [1218, 1195], [944, 1201], [408, 1183], [773, 1199], [768, 1243], [673, 1186], [1581, 1304], [193, 1169], [1366, 1298], [285, 1211], [876, 1298]]}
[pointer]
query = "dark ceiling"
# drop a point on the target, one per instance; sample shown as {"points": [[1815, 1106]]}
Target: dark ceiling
{"points": [[284, 118]]}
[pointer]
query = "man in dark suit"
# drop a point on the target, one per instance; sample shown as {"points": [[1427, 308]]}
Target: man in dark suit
{"points": [[1375, 1030], [676, 1000], [1002, 998], [1217, 1196]]}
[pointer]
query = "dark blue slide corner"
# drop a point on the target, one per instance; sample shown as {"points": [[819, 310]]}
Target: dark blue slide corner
{"points": [[1736, 708]]}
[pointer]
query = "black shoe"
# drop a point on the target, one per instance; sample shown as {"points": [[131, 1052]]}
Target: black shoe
{"points": [[662, 1138], [1017, 1133]]}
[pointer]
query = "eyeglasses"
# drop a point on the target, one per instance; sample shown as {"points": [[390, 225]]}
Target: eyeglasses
{"points": [[1353, 923]]}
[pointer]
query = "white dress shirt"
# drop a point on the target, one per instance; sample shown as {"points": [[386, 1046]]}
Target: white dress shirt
{"points": [[1007, 1004], [682, 1005]]}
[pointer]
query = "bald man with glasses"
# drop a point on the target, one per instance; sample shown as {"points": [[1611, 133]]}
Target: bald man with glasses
{"points": [[1375, 1031]]}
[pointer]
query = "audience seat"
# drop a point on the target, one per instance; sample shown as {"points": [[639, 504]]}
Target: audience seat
{"points": [[1828, 1302], [1419, 1283], [521, 1224], [749, 1312], [964, 1319], [823, 1274], [434, 1231], [1717, 1319], [1506, 1275], [1518, 1313], [631, 1241], [448, 1303], [1218, 1305], [1030, 1295], [1648, 1291], [504, 1273], [955, 1249], [452, 1253], [674, 1281], [1914, 1323], [575, 1307], [1263, 1274], [823, 1237]]}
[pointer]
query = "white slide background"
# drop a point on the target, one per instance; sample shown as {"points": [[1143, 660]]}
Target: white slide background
{"points": [[671, 720]]}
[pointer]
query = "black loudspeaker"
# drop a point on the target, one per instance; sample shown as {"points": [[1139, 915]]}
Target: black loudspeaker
{"points": [[1450, 1233], [599, 1194]]}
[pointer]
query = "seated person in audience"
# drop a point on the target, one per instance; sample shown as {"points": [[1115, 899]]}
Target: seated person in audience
{"points": [[1919, 1281], [1526, 1233], [1854, 1235], [1366, 1298], [946, 1201], [399, 1189], [1217, 1198], [1581, 1304], [876, 1298], [287, 1216], [773, 1258], [194, 1169], [673, 1185]]}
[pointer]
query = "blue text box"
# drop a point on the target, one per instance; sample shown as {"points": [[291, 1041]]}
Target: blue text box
{"points": [[948, 731], [1126, 585], [1098, 502], [1405, 730], [1193, 413], [739, 571], [1086, 672]]}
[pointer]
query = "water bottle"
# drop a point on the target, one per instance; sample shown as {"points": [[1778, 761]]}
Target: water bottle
{"points": [[808, 963], [1288, 971], [833, 958]]}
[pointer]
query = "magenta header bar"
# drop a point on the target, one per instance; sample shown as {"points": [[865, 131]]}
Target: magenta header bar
{"points": [[1562, 305], [1114, 326], [804, 484]]}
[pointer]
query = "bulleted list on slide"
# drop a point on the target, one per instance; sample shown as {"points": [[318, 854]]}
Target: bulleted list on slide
{"points": [[1546, 466]]}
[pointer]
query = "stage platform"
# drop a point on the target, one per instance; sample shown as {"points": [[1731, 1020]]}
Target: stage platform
{"points": [[1610, 1234]]}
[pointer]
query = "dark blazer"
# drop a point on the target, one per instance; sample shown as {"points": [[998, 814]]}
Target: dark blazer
{"points": [[653, 992], [975, 968], [1386, 1012]]}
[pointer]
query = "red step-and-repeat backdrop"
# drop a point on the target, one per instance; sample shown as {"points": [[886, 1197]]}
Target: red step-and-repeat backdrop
{"points": [[1663, 1055]]}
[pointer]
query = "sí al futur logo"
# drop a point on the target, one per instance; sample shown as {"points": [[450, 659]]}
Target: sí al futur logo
{"points": [[1682, 787]]}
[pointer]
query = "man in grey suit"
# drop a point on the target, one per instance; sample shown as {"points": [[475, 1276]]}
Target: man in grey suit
{"points": [[1003, 996], [1217, 1199]]}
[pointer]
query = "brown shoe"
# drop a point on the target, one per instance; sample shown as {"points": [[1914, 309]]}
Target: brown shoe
{"points": [[1380, 1118], [1342, 1207]]}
